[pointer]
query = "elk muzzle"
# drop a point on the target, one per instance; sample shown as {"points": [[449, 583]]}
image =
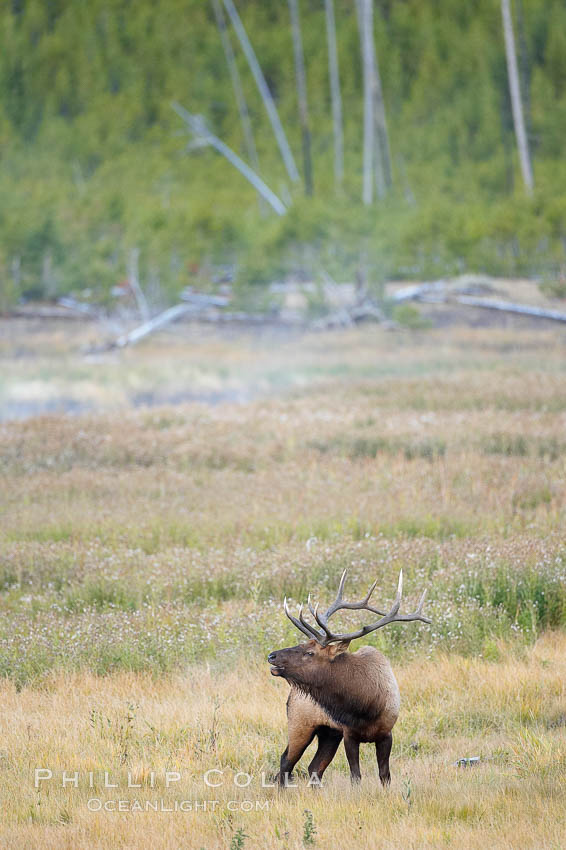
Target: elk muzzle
{"points": [[275, 667]]}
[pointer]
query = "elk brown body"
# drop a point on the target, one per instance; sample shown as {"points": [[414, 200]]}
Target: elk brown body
{"points": [[338, 695]]}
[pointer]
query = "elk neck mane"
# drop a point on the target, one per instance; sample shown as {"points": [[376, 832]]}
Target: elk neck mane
{"points": [[344, 690]]}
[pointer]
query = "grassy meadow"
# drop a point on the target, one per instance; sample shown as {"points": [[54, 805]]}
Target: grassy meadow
{"points": [[145, 550]]}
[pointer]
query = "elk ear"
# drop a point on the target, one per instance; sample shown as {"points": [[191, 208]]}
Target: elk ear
{"points": [[338, 648]]}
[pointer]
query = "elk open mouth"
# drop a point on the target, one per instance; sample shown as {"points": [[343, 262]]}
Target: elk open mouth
{"points": [[274, 670]]}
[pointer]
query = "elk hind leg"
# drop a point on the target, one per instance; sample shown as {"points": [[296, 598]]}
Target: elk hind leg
{"points": [[352, 747], [328, 742], [383, 751]]}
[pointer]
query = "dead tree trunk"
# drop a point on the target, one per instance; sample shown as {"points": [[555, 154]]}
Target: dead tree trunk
{"points": [[134, 281], [365, 23], [17, 272], [515, 92], [264, 90], [335, 95], [382, 149], [302, 94], [238, 90]]}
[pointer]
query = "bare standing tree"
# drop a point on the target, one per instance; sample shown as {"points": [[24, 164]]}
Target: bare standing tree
{"points": [[301, 93], [135, 286], [516, 103], [335, 92], [237, 86], [263, 89], [382, 149], [376, 138], [365, 23]]}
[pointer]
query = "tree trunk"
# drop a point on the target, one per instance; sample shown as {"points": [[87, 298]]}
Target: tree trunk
{"points": [[524, 69], [238, 90], [264, 90], [302, 93], [382, 149], [335, 93], [516, 103], [365, 23], [134, 281]]}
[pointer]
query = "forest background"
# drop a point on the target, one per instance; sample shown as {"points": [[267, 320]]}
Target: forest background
{"points": [[95, 164]]}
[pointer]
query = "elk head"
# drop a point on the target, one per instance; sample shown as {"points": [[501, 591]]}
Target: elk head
{"points": [[309, 661]]}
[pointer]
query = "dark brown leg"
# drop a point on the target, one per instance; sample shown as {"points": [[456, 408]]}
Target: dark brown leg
{"points": [[382, 751], [291, 756], [328, 743], [352, 747]]}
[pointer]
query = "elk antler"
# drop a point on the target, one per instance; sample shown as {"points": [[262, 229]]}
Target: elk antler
{"points": [[327, 636]]}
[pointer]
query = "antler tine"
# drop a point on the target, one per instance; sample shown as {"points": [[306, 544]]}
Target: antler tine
{"points": [[309, 603], [369, 593], [338, 603], [298, 624], [392, 616], [341, 586], [398, 596], [316, 635], [321, 620]]}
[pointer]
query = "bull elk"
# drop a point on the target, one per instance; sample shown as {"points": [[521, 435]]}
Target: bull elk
{"points": [[336, 694]]}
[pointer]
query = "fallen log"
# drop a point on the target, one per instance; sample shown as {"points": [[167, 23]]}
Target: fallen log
{"points": [[441, 292], [510, 307], [160, 321], [80, 307], [418, 290], [217, 317], [203, 299], [463, 285], [50, 311]]}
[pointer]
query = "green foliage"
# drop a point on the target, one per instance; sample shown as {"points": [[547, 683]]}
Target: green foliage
{"points": [[93, 160], [471, 611], [238, 840], [309, 829], [409, 316]]}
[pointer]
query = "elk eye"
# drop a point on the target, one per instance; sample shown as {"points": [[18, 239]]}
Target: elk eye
{"points": [[309, 653]]}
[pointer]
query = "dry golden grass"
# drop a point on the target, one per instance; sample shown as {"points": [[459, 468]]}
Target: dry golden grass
{"points": [[144, 555], [234, 721]]}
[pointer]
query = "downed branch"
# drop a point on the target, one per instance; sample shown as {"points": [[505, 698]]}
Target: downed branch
{"points": [[160, 321], [420, 291], [510, 307], [436, 290], [65, 308], [203, 299], [195, 303], [442, 292]]}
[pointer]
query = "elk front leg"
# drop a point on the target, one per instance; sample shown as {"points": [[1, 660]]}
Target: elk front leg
{"points": [[382, 751], [292, 753], [352, 747]]}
